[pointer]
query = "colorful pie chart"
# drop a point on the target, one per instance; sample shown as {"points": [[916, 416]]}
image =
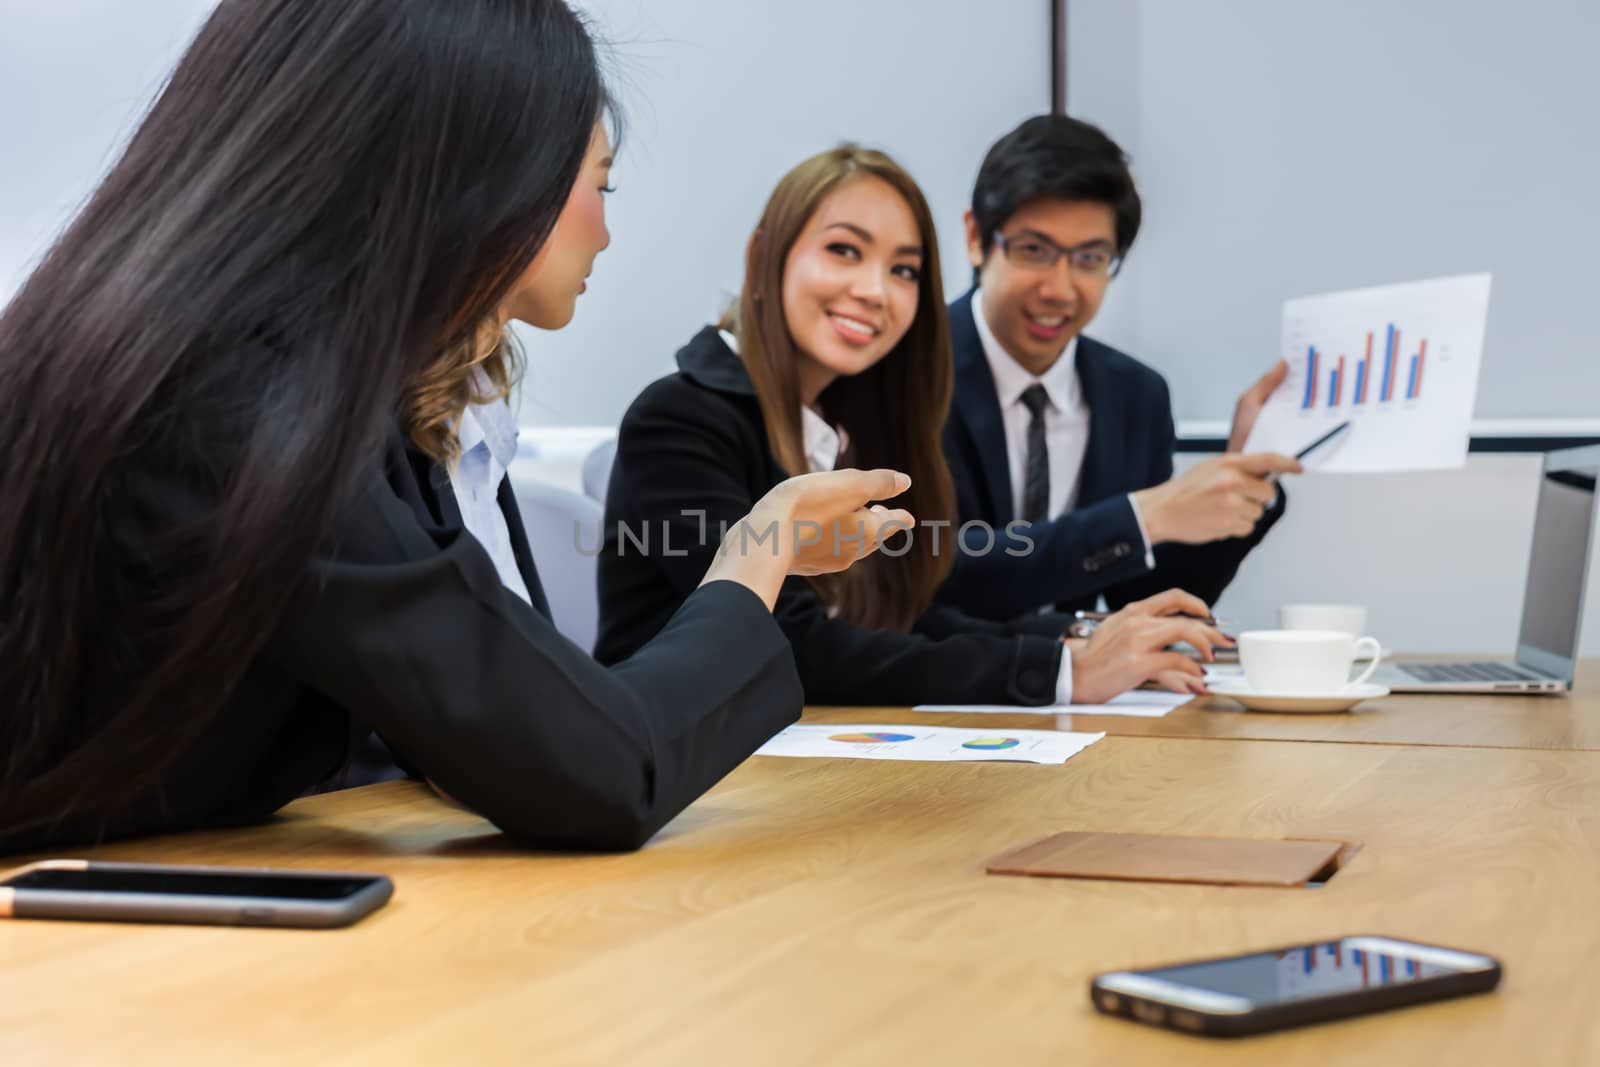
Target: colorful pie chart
{"points": [[870, 738], [992, 743]]}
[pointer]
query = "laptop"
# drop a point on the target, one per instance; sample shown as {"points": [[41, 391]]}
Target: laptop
{"points": [[1552, 605]]}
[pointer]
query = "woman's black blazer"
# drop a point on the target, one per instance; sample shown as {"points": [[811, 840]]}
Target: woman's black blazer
{"points": [[401, 626], [692, 455]]}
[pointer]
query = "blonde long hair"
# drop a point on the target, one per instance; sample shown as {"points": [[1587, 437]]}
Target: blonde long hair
{"points": [[893, 413], [435, 401]]}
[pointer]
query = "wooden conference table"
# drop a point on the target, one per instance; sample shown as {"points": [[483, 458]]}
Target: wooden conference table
{"points": [[836, 912]]}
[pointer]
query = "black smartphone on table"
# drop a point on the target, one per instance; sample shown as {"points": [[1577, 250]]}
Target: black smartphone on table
{"points": [[1231, 996], [166, 893]]}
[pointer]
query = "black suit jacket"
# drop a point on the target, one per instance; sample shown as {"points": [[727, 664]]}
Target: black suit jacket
{"points": [[1096, 549], [403, 627], [692, 458]]}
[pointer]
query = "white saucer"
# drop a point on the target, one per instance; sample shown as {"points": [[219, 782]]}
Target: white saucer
{"points": [[1347, 698]]}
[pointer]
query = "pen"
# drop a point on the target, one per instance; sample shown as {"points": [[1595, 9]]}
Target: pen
{"points": [[1084, 622], [1102, 616], [1324, 439], [1314, 445]]}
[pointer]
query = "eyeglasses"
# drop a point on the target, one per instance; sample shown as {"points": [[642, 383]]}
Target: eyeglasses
{"points": [[1031, 250]]}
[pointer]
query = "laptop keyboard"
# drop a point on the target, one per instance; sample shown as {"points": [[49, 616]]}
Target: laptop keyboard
{"points": [[1467, 672]]}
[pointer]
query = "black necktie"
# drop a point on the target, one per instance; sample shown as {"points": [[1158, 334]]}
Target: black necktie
{"points": [[1036, 477]]}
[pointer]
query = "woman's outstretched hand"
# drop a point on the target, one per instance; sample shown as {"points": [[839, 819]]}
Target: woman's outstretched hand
{"points": [[811, 524], [826, 521]]}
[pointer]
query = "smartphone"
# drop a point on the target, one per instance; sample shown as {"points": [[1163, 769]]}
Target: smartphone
{"points": [[1231, 996], [163, 893]]}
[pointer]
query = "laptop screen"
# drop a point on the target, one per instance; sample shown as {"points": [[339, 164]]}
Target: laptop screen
{"points": [[1558, 565]]}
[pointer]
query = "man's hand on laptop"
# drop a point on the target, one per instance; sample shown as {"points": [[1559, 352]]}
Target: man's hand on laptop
{"points": [[1131, 647]]}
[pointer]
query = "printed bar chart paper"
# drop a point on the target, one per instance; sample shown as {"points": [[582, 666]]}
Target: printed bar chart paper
{"points": [[1415, 349]]}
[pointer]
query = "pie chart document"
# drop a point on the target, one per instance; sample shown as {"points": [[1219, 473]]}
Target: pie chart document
{"points": [[947, 744]]}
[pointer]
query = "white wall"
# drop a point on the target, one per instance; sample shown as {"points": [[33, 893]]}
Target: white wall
{"points": [[75, 77], [1289, 147], [722, 97]]}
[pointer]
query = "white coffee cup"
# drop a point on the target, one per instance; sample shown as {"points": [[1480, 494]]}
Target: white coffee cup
{"points": [[1303, 661], [1345, 618]]}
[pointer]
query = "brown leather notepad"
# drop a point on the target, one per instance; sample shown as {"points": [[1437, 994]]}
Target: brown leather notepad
{"points": [[1161, 858]]}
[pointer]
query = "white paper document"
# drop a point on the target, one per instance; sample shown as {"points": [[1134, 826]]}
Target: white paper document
{"points": [[1143, 703], [1399, 362], [933, 743]]}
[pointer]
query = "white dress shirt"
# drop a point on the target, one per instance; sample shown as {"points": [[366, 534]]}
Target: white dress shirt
{"points": [[1066, 422], [821, 442], [488, 434]]}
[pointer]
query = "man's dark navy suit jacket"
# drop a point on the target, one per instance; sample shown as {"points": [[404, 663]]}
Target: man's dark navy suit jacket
{"points": [[1095, 549]]}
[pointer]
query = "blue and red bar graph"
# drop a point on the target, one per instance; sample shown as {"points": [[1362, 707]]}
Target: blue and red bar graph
{"points": [[1364, 373], [1393, 359], [1388, 364], [1414, 387]]}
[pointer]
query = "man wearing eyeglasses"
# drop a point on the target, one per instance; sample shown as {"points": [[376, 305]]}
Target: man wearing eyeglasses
{"points": [[1061, 446]]}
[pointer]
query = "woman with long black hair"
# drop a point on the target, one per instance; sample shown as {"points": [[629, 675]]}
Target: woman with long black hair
{"points": [[233, 403]]}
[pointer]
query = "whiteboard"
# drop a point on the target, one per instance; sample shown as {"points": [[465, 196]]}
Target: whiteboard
{"points": [[1289, 147], [722, 97]]}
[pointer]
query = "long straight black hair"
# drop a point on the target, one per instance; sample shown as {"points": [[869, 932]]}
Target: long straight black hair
{"points": [[325, 196]]}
